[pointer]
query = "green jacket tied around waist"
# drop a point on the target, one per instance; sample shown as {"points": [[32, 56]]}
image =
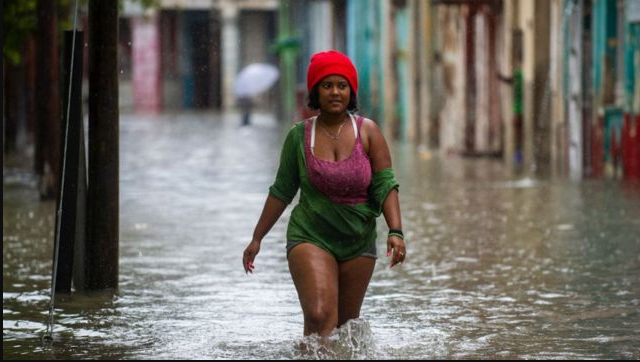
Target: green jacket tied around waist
{"points": [[346, 231]]}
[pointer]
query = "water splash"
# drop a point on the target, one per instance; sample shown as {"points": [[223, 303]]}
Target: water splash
{"points": [[353, 340]]}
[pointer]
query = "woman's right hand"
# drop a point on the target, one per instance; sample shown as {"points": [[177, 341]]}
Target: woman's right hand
{"points": [[249, 255]]}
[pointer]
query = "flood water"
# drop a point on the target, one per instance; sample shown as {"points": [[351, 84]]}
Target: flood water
{"points": [[498, 266]]}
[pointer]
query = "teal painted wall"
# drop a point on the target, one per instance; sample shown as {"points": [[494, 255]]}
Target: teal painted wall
{"points": [[361, 44], [632, 52], [604, 40], [402, 55]]}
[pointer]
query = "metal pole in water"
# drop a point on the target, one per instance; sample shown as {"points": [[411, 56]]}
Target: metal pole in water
{"points": [[49, 332], [102, 198]]}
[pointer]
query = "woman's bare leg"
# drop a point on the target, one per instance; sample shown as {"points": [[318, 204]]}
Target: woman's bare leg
{"points": [[315, 275], [355, 275]]}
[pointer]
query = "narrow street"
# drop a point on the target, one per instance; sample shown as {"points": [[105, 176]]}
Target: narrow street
{"points": [[497, 267]]}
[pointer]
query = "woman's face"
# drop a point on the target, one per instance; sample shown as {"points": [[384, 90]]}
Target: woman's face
{"points": [[334, 94]]}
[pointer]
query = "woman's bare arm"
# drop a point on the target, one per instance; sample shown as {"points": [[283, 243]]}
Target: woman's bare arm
{"points": [[380, 160], [271, 212]]}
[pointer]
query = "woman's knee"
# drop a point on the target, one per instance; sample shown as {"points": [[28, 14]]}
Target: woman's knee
{"points": [[320, 318]]}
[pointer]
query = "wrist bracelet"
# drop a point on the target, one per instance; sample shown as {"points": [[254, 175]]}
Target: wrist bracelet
{"points": [[396, 232]]}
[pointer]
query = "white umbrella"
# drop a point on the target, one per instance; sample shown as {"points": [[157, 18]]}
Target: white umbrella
{"points": [[254, 79]]}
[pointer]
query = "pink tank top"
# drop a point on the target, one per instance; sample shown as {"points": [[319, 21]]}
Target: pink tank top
{"points": [[345, 181]]}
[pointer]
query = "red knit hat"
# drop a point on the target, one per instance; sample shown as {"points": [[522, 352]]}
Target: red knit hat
{"points": [[328, 63]]}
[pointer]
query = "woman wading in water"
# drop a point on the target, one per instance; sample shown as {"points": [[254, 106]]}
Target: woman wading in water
{"points": [[342, 166]]}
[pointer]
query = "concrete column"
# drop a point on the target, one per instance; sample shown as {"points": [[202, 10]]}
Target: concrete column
{"points": [[320, 16], [557, 103], [481, 70], [453, 113], [470, 78], [574, 107], [534, 22], [387, 63], [288, 57], [412, 73], [506, 89], [527, 24], [425, 64], [541, 126], [230, 53]]}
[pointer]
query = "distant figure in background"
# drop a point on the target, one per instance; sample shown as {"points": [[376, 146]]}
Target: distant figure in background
{"points": [[341, 164], [518, 106], [254, 79], [245, 104], [516, 80]]}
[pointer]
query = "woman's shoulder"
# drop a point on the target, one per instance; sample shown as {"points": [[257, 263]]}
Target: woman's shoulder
{"points": [[369, 126], [366, 122]]}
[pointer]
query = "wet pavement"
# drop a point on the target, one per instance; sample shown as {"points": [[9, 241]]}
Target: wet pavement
{"points": [[498, 266]]}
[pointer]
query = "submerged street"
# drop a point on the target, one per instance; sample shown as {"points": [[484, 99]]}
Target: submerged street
{"points": [[498, 266]]}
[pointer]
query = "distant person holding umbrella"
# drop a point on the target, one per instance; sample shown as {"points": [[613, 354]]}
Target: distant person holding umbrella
{"points": [[245, 104], [251, 81], [341, 164]]}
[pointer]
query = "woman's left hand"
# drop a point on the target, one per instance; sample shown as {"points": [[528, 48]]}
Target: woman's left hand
{"points": [[396, 250]]}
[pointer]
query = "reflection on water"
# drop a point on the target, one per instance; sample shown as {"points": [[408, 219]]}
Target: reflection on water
{"points": [[498, 267]]}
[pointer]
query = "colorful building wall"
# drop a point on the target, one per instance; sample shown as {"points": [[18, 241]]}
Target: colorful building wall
{"points": [[363, 44], [631, 127], [614, 145]]}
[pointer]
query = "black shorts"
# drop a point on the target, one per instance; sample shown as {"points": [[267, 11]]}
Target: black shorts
{"points": [[369, 253]]}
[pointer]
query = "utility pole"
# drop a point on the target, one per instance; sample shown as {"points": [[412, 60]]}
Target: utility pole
{"points": [[47, 152], [70, 225], [103, 192]]}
